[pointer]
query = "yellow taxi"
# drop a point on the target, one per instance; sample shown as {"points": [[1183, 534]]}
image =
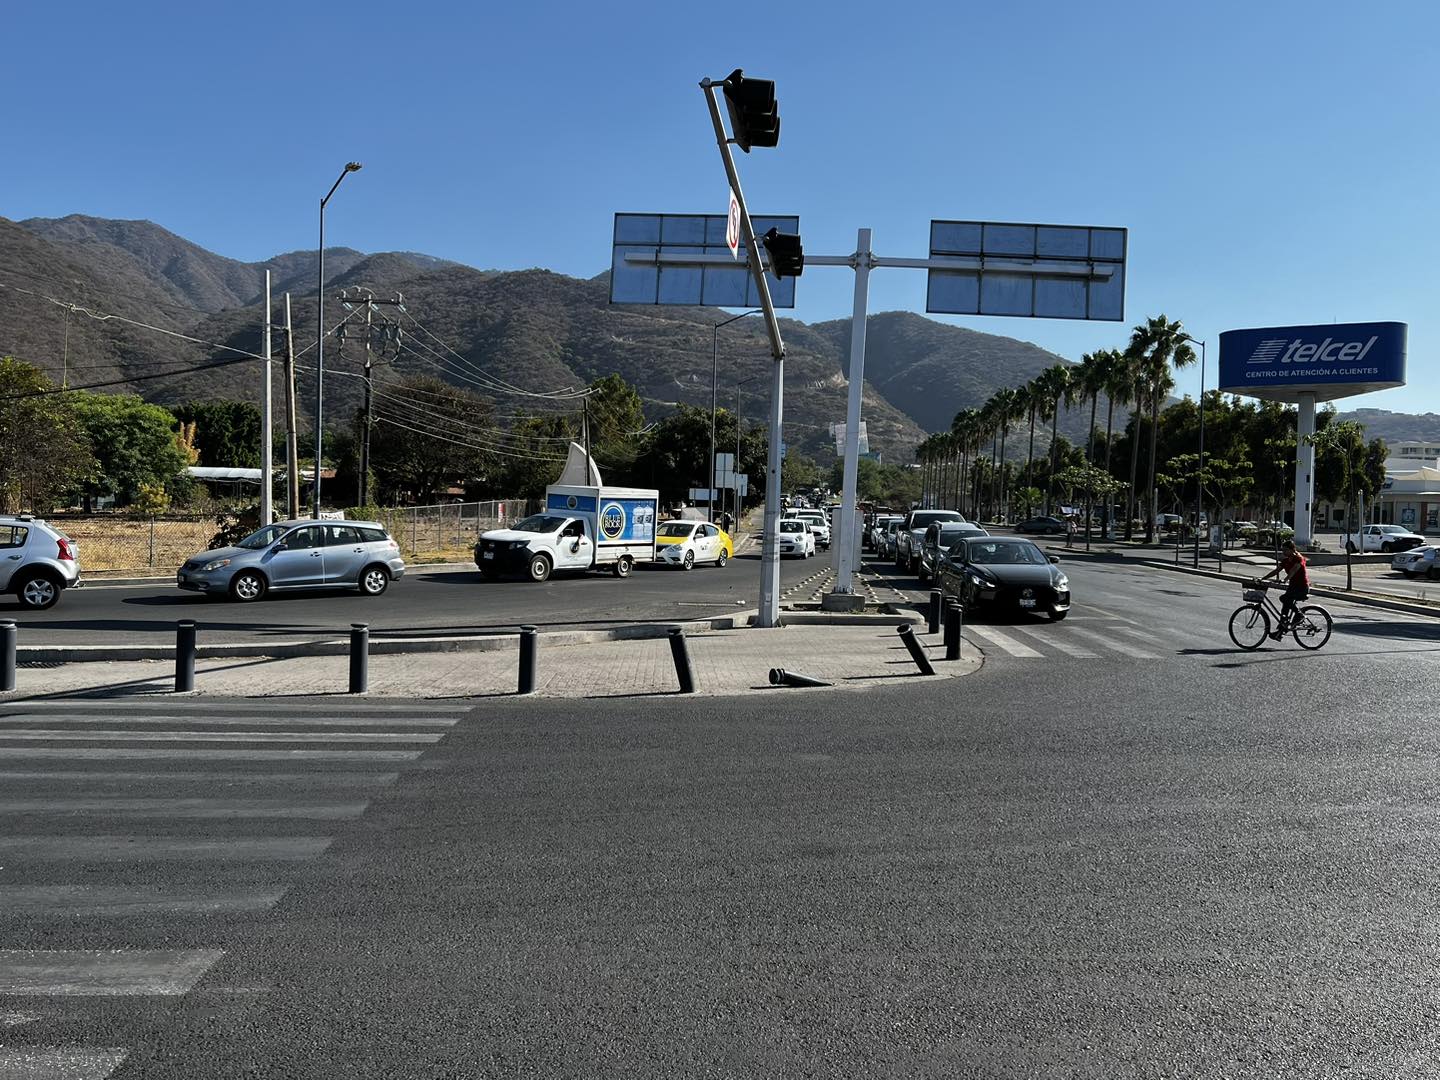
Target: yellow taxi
{"points": [[686, 543]]}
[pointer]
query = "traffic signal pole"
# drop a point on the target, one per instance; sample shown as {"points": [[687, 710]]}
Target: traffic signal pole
{"points": [[770, 547]]}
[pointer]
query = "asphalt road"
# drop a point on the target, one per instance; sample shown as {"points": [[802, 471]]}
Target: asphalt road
{"points": [[1122, 849], [455, 600]]}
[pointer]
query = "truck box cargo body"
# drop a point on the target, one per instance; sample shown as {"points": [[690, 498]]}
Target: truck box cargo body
{"points": [[583, 527]]}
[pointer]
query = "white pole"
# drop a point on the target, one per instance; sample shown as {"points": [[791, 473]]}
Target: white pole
{"points": [[1304, 469], [848, 554], [266, 419]]}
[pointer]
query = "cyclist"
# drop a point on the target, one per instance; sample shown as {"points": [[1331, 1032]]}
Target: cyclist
{"points": [[1297, 587]]}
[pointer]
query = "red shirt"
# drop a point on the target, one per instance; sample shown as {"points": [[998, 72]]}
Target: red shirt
{"points": [[1293, 567]]}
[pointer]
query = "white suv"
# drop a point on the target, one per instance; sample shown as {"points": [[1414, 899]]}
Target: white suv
{"points": [[819, 525], [37, 563]]}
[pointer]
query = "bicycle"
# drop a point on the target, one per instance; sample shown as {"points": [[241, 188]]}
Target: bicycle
{"points": [[1250, 623]]}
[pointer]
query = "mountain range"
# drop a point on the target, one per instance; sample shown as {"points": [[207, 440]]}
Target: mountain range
{"points": [[130, 306]]}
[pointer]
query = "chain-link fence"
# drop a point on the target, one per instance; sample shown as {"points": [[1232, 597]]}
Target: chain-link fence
{"points": [[447, 532], [121, 543]]}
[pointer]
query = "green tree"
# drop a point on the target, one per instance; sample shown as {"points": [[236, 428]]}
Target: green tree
{"points": [[227, 433], [1157, 343], [43, 449], [534, 456], [439, 438], [798, 473], [617, 421], [133, 442]]}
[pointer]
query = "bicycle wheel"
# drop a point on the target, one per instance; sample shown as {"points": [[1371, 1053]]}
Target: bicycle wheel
{"points": [[1249, 626], [1312, 627]]}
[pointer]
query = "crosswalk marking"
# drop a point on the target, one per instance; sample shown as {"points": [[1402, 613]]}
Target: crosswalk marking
{"points": [[212, 779], [147, 848], [66, 735], [226, 721], [115, 900], [60, 1063], [121, 753], [1057, 640], [92, 973], [1004, 641], [189, 809], [1117, 646]]}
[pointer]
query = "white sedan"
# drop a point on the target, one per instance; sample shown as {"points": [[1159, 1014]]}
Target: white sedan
{"points": [[1417, 562], [685, 543], [796, 538]]}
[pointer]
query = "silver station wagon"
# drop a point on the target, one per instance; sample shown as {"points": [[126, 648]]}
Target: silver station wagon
{"points": [[298, 555]]}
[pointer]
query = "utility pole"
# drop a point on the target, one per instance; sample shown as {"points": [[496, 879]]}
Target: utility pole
{"points": [[367, 422], [292, 444], [267, 510]]}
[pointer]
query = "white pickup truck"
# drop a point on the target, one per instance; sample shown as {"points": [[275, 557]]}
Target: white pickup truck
{"points": [[583, 527], [1386, 538]]}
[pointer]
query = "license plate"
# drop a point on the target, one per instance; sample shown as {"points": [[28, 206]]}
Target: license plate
{"points": [[487, 554], [1027, 603]]}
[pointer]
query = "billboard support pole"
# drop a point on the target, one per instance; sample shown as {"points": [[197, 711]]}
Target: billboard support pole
{"points": [[848, 493], [1304, 469], [770, 548]]}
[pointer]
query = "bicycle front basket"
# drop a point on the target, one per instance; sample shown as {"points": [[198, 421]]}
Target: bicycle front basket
{"points": [[1254, 596]]}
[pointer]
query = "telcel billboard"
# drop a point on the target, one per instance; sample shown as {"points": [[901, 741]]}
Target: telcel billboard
{"points": [[1280, 363]]}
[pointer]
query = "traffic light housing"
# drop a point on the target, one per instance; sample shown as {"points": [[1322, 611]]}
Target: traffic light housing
{"points": [[754, 116], [787, 257]]}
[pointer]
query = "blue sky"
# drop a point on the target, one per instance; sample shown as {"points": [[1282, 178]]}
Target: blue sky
{"points": [[1275, 163]]}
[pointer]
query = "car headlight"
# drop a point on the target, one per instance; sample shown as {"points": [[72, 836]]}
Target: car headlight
{"points": [[516, 545], [216, 565], [1062, 582]]}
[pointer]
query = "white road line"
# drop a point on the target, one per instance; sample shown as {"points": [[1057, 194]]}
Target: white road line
{"points": [[60, 1063], [1117, 646], [1110, 614], [215, 779], [63, 735], [1056, 640], [1005, 641], [77, 753], [206, 707], [189, 809], [113, 900], [231, 721], [127, 971], [51, 848]]}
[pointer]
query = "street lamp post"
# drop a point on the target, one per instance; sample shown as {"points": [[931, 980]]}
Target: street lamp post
{"points": [[353, 166], [714, 358], [1200, 469], [736, 471]]}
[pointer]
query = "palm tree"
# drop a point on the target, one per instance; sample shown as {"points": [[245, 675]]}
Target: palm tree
{"points": [[963, 431], [1134, 377], [1092, 377], [1117, 385], [1007, 408], [1159, 342], [1030, 397], [1055, 386]]}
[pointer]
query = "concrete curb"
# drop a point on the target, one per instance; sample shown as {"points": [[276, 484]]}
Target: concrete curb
{"points": [[74, 654], [1362, 599], [843, 618]]}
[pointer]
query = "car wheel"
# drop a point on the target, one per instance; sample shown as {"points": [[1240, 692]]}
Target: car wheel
{"points": [[688, 562], [1433, 573], [722, 558], [374, 580], [922, 575], [247, 586], [623, 566], [38, 592], [1059, 616], [1350, 547], [539, 567], [1387, 548]]}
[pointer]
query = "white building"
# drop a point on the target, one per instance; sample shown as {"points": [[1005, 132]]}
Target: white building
{"points": [[1411, 496]]}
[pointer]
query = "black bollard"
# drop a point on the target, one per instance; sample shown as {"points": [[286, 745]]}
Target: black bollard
{"points": [[359, 657], [528, 636], [781, 677], [954, 624], [917, 651], [184, 656], [681, 655], [8, 634], [932, 621]]}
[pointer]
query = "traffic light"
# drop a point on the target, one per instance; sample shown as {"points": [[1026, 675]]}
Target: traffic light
{"points": [[787, 257], [754, 118]]}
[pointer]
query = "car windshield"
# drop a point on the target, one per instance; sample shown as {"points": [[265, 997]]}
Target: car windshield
{"points": [[919, 521], [676, 528], [263, 537], [1391, 529], [1003, 551], [792, 526], [539, 523], [950, 533]]}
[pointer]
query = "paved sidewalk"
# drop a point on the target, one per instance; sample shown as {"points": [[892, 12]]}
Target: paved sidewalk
{"points": [[724, 662]]}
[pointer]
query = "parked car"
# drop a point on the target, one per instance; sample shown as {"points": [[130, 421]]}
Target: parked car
{"points": [[1385, 538], [911, 535], [1241, 530], [303, 554], [886, 550], [796, 538], [940, 538], [819, 523], [1273, 532], [685, 543], [37, 561], [875, 536], [1417, 562], [1050, 526], [1005, 572]]}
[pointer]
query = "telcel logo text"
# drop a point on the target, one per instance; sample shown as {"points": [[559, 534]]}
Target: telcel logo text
{"points": [[1328, 351]]}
